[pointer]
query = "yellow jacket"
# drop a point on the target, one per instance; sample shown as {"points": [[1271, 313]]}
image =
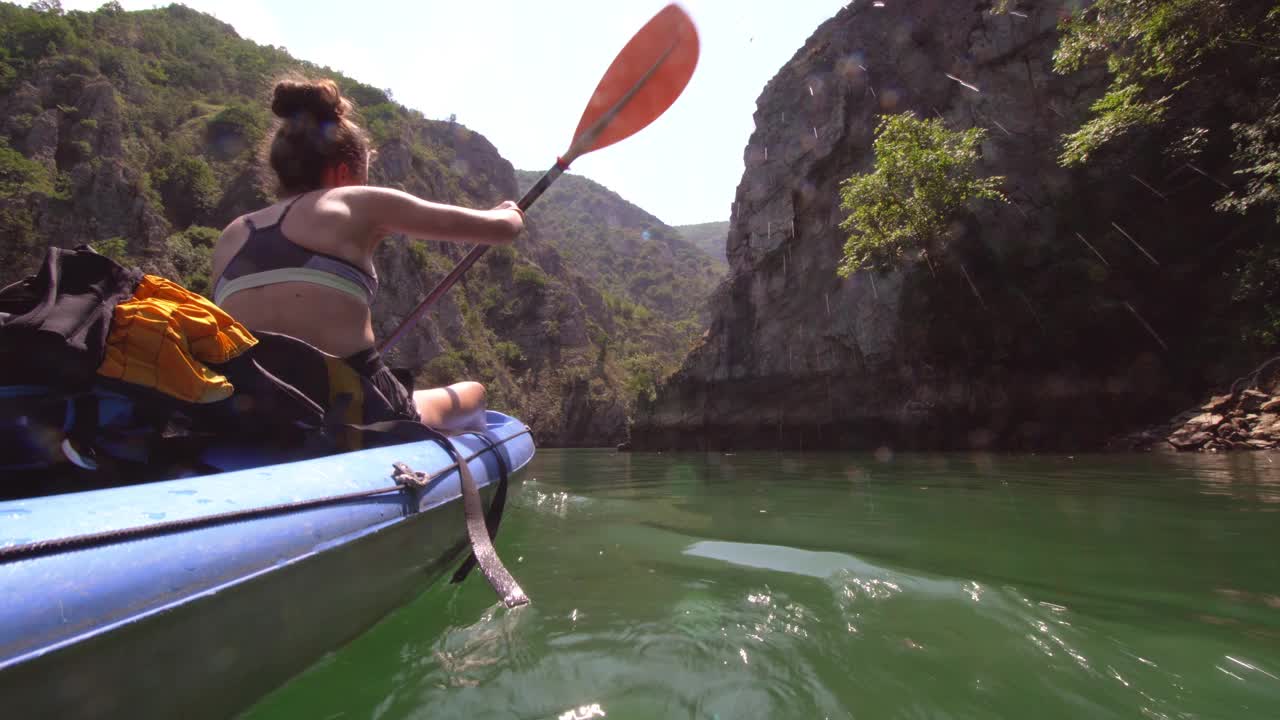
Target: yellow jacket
{"points": [[161, 338]]}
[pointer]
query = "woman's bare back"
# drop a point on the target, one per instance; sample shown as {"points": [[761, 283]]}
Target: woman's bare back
{"points": [[329, 319]]}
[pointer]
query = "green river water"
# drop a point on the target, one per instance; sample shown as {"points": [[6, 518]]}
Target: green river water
{"points": [[765, 585]]}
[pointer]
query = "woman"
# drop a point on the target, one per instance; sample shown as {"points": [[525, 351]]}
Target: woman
{"points": [[304, 266]]}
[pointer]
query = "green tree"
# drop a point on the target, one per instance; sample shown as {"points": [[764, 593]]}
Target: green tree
{"points": [[50, 7], [643, 373], [191, 252], [1257, 294], [1154, 50], [445, 368], [1186, 68], [8, 73], [1258, 153], [20, 242], [116, 248], [924, 176], [33, 35], [529, 277], [188, 187], [509, 353], [239, 125], [20, 175]]}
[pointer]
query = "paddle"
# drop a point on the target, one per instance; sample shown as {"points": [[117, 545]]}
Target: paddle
{"points": [[643, 81]]}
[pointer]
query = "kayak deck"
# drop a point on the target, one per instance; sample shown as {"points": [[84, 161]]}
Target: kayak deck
{"points": [[234, 606]]}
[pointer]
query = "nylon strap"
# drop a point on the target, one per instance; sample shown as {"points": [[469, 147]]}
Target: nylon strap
{"points": [[494, 517], [481, 546]]}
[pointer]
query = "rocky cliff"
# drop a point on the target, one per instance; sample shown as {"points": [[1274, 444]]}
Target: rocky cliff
{"points": [[628, 253], [1092, 301], [653, 285]]}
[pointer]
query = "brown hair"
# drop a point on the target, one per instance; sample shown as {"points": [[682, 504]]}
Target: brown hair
{"points": [[314, 132]]}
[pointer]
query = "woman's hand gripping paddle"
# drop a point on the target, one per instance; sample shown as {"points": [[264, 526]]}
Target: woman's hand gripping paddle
{"points": [[643, 81]]}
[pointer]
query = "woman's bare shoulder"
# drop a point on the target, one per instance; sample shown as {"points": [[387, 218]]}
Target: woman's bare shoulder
{"points": [[229, 243], [363, 210], [234, 231], [360, 196]]}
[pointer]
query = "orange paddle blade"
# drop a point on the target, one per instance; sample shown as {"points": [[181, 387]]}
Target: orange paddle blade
{"points": [[643, 81]]}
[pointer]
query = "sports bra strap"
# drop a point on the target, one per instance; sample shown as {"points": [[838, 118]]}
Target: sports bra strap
{"points": [[287, 208], [268, 257], [279, 220]]}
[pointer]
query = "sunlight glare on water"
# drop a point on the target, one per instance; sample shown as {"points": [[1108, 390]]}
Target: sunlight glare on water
{"points": [[763, 585]]}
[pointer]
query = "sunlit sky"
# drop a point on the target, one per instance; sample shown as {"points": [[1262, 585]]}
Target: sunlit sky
{"points": [[521, 72]]}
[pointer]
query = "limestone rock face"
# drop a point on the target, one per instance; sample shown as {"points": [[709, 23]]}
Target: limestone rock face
{"points": [[69, 121], [1020, 336]]}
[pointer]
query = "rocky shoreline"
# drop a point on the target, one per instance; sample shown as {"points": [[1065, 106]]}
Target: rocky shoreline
{"points": [[1246, 416]]}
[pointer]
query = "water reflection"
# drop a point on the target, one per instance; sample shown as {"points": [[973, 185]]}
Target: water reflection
{"points": [[1247, 477], [764, 585]]}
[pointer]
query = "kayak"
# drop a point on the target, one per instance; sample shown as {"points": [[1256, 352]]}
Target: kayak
{"points": [[196, 596]]}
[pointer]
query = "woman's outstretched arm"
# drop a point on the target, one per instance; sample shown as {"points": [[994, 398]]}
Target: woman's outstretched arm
{"points": [[386, 210]]}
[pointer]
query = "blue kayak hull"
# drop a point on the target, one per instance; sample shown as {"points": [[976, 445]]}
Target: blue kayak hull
{"points": [[201, 623]]}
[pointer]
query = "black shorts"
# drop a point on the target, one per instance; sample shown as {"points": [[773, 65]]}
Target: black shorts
{"points": [[369, 364]]}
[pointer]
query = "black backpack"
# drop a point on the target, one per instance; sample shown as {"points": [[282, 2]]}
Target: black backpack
{"points": [[291, 400]]}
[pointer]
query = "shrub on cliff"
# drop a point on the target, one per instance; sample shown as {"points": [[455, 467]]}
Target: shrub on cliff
{"points": [[20, 175], [1258, 154], [1160, 51], [1155, 49], [191, 252], [1197, 74], [29, 36], [643, 373], [924, 176], [188, 188], [236, 128], [1256, 291]]}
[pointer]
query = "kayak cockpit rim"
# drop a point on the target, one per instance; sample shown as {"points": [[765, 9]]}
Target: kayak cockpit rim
{"points": [[41, 548]]}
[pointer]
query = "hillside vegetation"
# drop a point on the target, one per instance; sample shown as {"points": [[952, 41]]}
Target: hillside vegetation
{"points": [[654, 280], [709, 237], [136, 132]]}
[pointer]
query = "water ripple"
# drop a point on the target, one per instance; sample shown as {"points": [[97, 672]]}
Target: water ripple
{"points": [[839, 586]]}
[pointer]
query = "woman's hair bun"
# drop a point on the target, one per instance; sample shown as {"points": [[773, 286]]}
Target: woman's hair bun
{"points": [[320, 98], [315, 132]]}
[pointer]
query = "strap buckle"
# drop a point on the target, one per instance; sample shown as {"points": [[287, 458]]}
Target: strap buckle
{"points": [[406, 476]]}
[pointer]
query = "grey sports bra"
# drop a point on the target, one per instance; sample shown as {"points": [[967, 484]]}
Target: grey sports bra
{"points": [[268, 257]]}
